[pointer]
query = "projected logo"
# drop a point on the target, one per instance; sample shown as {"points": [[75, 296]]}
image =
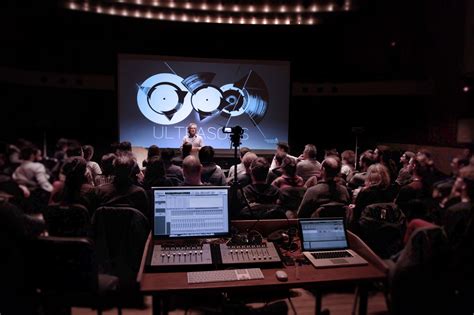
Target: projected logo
{"points": [[166, 98]]}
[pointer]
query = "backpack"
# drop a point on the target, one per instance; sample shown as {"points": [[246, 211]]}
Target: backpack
{"points": [[382, 226]]}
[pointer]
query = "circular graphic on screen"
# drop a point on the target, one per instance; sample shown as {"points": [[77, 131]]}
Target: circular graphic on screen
{"points": [[163, 99], [236, 99]]}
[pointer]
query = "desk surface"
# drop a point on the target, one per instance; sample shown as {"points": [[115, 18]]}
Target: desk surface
{"points": [[298, 276]]}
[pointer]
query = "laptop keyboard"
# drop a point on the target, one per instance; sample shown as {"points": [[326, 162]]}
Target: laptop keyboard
{"points": [[225, 275], [333, 254]]}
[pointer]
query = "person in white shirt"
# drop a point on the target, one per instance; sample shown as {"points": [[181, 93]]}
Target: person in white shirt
{"points": [[192, 137]]}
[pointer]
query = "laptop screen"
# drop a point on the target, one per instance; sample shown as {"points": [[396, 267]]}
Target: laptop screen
{"points": [[323, 234], [198, 211]]}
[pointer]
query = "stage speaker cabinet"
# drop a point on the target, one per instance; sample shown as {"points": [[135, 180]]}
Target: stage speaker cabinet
{"points": [[465, 132]]}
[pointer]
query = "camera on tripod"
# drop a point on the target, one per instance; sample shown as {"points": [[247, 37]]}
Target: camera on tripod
{"points": [[237, 130]]}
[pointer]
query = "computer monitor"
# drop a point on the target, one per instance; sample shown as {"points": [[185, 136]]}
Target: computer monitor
{"points": [[191, 212]]}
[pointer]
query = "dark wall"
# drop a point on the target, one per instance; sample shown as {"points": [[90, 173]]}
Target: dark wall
{"points": [[384, 40]]}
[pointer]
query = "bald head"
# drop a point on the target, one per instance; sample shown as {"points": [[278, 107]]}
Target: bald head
{"points": [[192, 170], [331, 168]]}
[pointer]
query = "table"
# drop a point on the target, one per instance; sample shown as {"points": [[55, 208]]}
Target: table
{"points": [[165, 284]]}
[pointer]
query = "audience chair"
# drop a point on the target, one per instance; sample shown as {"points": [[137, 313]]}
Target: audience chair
{"points": [[382, 226], [72, 220], [120, 234], [330, 210], [65, 272], [418, 281]]}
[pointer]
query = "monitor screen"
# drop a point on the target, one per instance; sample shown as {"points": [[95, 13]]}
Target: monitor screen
{"points": [[323, 234], [199, 211], [159, 96]]}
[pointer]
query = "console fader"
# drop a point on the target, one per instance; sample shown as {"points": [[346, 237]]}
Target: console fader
{"points": [[262, 254]]}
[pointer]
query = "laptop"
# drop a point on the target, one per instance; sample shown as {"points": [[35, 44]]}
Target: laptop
{"points": [[187, 215], [324, 243]]}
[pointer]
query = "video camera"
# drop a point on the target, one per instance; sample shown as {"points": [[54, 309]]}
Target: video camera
{"points": [[237, 130]]}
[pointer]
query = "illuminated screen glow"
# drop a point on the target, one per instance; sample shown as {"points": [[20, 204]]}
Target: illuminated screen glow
{"points": [[159, 96]]}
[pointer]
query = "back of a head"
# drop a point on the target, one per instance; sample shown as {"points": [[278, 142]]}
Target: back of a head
{"points": [[377, 176], [186, 149], [331, 153], [367, 158], [153, 150], [289, 166], [107, 163], [192, 166], [26, 152], [243, 150], [74, 149], [283, 146], [155, 168], [248, 158], [206, 154], [124, 166], [167, 154], [310, 151], [125, 146], [279, 156], [331, 168], [74, 168], [348, 156], [259, 169], [88, 152]]}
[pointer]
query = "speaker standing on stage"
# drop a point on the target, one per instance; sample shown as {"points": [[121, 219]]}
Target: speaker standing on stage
{"points": [[193, 138]]}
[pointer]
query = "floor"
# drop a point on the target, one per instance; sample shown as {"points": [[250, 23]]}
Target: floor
{"points": [[303, 302]]}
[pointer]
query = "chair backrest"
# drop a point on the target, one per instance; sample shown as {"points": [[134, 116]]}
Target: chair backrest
{"points": [[120, 234], [290, 197], [63, 264], [72, 220], [262, 211], [330, 210], [418, 282], [382, 226]]}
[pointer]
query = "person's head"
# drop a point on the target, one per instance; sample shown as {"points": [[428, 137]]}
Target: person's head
{"points": [[155, 169], [192, 129], [247, 160], [74, 169], [283, 146], [62, 144], [330, 168], [192, 170], [279, 156], [124, 166], [367, 158], [406, 156], [310, 152], [38, 155], [206, 154], [464, 183], [107, 164], [186, 149], [331, 153], [348, 157], [153, 150], [382, 153], [289, 167], [28, 153], [457, 163], [124, 147], [242, 151], [167, 155], [74, 149], [259, 170], [377, 176], [88, 152]]}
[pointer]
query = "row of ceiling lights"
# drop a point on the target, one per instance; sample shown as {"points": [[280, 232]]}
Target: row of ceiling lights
{"points": [[276, 14]]}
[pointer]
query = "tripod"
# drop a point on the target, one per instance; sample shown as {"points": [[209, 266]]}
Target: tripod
{"points": [[236, 134]]}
